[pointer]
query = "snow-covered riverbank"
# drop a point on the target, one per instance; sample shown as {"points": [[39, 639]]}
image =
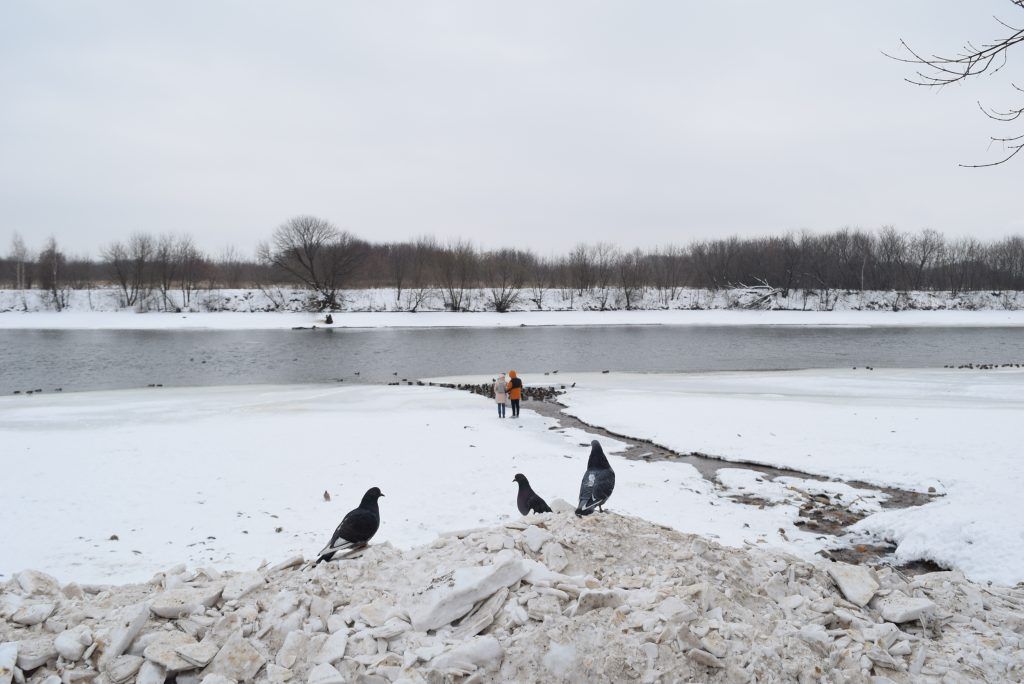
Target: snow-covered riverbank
{"points": [[123, 320], [231, 476], [957, 431], [258, 309], [208, 475]]}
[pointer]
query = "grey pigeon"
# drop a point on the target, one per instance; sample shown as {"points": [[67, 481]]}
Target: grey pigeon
{"points": [[528, 500], [598, 481], [356, 528]]}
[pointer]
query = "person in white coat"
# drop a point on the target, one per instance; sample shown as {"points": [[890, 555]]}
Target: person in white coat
{"points": [[500, 394]]}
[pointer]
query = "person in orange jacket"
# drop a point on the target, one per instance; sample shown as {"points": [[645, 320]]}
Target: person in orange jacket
{"points": [[515, 392]]}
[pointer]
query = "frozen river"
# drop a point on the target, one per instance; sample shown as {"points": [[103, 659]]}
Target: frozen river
{"points": [[114, 359]]}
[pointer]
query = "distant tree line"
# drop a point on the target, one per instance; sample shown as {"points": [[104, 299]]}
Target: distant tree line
{"points": [[310, 253]]}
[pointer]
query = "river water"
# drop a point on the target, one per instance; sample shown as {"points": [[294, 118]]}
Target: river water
{"points": [[110, 359]]}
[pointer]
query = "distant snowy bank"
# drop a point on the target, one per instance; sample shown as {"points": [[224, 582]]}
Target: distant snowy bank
{"points": [[278, 299], [270, 309]]}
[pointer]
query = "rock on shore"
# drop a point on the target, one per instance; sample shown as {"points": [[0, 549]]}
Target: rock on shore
{"points": [[545, 598]]}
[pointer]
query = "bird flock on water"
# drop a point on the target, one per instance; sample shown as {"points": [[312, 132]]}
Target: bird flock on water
{"points": [[361, 523]]}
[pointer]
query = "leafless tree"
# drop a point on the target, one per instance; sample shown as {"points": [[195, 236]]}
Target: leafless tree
{"points": [[164, 269], [420, 278], [1012, 251], [1008, 262], [505, 271], [456, 270], [847, 256], [605, 257], [938, 71], [923, 252], [20, 259], [632, 270], [318, 255], [190, 269], [961, 264], [79, 273], [1003, 258], [668, 272], [892, 257], [580, 269], [788, 255], [51, 274], [399, 256], [540, 279], [141, 247], [129, 266], [715, 261], [116, 256], [230, 266], [819, 272]]}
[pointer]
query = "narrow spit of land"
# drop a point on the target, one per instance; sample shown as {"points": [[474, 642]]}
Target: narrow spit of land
{"points": [[820, 513]]}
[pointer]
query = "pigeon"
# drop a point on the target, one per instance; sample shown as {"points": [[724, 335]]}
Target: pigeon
{"points": [[356, 528], [528, 500], [598, 481]]}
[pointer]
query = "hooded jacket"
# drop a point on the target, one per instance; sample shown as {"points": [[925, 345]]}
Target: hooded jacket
{"points": [[515, 386], [500, 391]]}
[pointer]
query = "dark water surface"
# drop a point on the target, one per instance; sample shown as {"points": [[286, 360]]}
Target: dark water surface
{"points": [[109, 359]]}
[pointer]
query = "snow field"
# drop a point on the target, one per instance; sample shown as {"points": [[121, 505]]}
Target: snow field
{"points": [[205, 476], [957, 432]]}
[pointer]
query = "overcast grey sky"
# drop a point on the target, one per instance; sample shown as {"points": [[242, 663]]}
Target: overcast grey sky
{"points": [[538, 124]]}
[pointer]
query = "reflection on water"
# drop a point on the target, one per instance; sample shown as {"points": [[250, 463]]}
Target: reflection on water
{"points": [[107, 359]]}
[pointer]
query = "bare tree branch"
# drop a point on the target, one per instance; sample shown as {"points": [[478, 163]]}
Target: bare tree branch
{"points": [[939, 71]]}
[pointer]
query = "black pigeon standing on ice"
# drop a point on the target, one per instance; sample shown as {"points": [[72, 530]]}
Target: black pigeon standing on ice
{"points": [[356, 528], [528, 500], [598, 481]]}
